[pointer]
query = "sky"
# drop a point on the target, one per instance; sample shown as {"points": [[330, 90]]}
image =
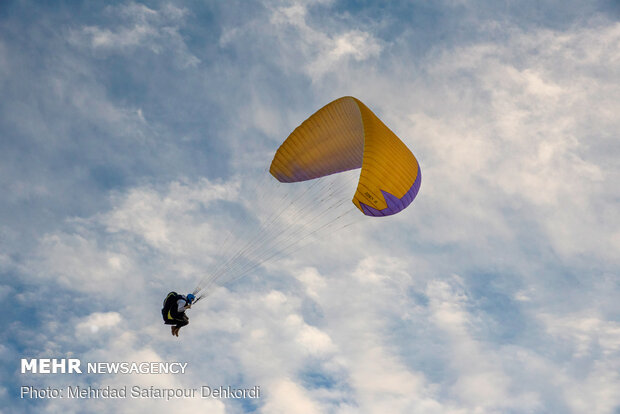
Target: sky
{"points": [[131, 133]]}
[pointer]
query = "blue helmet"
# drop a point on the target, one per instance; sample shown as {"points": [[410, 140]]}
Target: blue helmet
{"points": [[190, 297]]}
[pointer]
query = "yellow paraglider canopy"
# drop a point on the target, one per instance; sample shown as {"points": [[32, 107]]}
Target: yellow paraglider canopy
{"points": [[345, 135]]}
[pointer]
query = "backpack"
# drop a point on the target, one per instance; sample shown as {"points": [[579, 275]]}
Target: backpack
{"points": [[171, 299]]}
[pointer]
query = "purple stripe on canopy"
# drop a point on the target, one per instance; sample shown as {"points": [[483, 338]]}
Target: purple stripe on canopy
{"points": [[395, 204]]}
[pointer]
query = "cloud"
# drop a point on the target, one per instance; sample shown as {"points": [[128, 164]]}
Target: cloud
{"points": [[140, 28], [134, 139], [304, 46], [515, 129], [290, 397], [586, 334], [98, 321]]}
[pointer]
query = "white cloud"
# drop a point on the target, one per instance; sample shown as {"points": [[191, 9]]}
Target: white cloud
{"points": [[169, 221], [319, 50], [288, 397], [141, 27], [457, 305], [269, 336], [586, 334], [309, 338], [516, 126], [77, 261], [596, 392], [97, 321], [107, 249]]}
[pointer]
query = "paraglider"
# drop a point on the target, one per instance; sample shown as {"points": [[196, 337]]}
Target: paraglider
{"points": [[173, 310], [344, 135]]}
